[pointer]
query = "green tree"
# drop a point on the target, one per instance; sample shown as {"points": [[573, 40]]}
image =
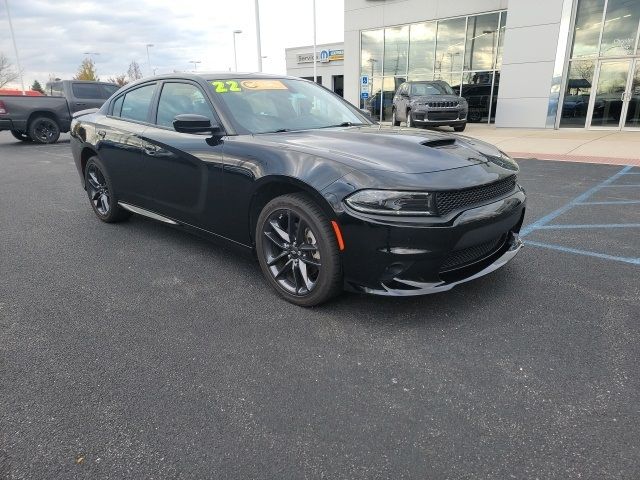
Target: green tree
{"points": [[36, 87], [87, 71]]}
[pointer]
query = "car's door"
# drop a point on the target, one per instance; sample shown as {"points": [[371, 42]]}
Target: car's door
{"points": [[85, 95], [185, 168], [120, 145]]}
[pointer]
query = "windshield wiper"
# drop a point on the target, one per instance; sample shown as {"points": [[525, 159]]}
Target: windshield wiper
{"points": [[280, 130], [344, 124]]}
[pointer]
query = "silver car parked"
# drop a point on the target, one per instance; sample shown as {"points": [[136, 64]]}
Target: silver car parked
{"points": [[429, 104]]}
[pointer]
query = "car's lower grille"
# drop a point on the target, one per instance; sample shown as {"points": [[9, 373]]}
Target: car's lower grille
{"points": [[442, 115], [448, 202], [442, 104], [466, 256]]}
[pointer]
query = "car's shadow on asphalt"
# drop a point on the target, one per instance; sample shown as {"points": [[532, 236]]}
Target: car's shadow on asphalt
{"points": [[442, 308]]}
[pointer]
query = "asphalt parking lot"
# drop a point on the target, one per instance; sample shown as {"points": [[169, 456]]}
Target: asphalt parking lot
{"points": [[138, 351]]}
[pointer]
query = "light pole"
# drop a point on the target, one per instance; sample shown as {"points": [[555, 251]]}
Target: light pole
{"points": [[260, 57], [148, 57], [235, 55], [15, 48], [315, 60], [195, 64]]}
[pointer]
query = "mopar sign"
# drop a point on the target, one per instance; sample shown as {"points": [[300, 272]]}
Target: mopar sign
{"points": [[323, 56]]}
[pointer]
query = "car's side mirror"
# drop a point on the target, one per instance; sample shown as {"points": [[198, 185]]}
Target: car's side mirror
{"points": [[191, 123]]}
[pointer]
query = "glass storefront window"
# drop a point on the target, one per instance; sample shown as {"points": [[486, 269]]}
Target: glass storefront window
{"points": [[503, 24], [372, 51], [577, 92], [374, 102], [620, 28], [450, 45], [452, 78], [587, 28], [482, 39], [396, 50], [422, 40], [389, 87], [476, 89]]}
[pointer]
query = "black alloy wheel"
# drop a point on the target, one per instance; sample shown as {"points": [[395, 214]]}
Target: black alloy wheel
{"points": [[44, 130], [100, 193], [22, 136], [297, 250]]}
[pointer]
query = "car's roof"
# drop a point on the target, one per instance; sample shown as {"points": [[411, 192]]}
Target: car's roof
{"points": [[208, 76], [426, 81]]}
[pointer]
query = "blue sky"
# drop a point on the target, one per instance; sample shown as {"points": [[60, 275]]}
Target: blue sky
{"points": [[52, 36]]}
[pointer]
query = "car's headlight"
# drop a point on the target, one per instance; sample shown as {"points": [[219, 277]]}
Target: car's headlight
{"points": [[389, 202]]}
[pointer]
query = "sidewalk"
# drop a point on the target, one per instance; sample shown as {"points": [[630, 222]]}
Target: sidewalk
{"points": [[572, 145]]}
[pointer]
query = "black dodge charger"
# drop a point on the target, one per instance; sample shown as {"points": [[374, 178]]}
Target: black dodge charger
{"points": [[327, 199]]}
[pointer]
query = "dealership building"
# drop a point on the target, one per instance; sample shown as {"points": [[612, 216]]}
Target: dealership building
{"points": [[329, 64], [519, 63]]}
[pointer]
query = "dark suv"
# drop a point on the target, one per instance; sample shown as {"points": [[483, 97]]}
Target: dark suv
{"points": [[429, 104]]}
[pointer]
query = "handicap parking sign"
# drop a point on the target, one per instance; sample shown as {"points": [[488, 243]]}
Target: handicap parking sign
{"points": [[364, 95], [364, 80]]}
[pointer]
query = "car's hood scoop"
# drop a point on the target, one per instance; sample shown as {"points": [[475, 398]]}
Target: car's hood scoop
{"points": [[406, 150]]}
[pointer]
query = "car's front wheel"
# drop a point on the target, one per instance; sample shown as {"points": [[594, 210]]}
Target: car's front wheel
{"points": [[409, 119], [298, 250], [394, 121], [22, 136], [101, 194], [460, 128]]}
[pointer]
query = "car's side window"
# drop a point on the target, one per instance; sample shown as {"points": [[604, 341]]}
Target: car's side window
{"points": [[180, 98], [117, 106], [136, 103]]}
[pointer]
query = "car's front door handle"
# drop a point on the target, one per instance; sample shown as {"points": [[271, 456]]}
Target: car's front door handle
{"points": [[101, 133], [80, 104], [150, 150]]}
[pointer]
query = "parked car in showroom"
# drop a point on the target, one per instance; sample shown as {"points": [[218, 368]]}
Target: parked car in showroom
{"points": [[325, 198], [429, 104], [41, 119]]}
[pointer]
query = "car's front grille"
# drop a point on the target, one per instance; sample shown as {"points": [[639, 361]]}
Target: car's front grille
{"points": [[448, 202], [442, 104], [442, 115], [467, 256]]}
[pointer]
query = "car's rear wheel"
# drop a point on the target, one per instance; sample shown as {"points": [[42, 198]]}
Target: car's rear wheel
{"points": [[22, 136], [409, 119], [298, 251], [101, 194], [460, 128], [44, 130], [394, 121]]}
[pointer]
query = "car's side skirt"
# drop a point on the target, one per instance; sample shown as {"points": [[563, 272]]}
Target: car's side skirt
{"points": [[147, 213]]}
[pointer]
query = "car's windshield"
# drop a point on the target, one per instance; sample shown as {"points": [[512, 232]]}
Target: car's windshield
{"points": [[274, 105], [431, 88]]}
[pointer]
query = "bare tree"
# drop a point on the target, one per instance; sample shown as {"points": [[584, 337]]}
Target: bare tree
{"points": [[7, 72], [134, 73], [119, 80]]}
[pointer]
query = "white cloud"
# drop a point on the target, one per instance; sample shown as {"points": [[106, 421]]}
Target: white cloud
{"points": [[53, 36]]}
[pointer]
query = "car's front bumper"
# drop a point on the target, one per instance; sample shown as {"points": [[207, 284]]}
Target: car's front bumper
{"points": [[438, 117], [420, 258]]}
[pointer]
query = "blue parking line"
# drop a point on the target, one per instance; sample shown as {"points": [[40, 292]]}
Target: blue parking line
{"points": [[633, 261], [588, 225], [622, 186], [580, 198], [611, 202]]}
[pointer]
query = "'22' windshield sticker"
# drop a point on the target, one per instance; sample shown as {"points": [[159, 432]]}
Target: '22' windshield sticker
{"points": [[225, 86]]}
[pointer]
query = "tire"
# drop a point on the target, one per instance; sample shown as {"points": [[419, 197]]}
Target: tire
{"points": [[44, 130], [307, 271], [409, 120], [100, 192], [474, 116], [22, 136], [394, 122], [460, 128]]}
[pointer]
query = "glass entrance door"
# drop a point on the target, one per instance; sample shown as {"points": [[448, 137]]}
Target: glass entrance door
{"points": [[610, 94], [615, 102], [632, 115]]}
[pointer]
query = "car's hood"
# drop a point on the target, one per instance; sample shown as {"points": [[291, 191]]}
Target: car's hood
{"points": [[405, 150]]}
